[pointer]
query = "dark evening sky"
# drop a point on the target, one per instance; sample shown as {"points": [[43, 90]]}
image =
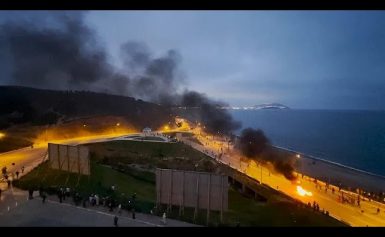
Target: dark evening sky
{"points": [[303, 59]]}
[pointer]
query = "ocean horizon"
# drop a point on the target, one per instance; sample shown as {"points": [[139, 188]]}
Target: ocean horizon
{"points": [[352, 138]]}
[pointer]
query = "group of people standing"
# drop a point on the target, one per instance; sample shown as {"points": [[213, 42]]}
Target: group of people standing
{"points": [[93, 200], [63, 193], [6, 177], [6, 174]]}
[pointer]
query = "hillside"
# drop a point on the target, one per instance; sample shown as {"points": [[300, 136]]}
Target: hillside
{"points": [[271, 106], [21, 105]]}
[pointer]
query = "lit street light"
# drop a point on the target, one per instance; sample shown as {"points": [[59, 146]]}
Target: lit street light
{"points": [[300, 163]]}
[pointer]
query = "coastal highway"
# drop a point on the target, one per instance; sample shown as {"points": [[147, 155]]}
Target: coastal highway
{"points": [[352, 214]]}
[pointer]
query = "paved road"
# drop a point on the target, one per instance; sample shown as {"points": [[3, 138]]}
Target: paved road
{"points": [[348, 213], [16, 210], [30, 157]]}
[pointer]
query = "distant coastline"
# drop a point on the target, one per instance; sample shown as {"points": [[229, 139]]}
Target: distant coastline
{"points": [[272, 106]]}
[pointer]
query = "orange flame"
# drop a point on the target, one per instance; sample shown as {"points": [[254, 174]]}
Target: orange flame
{"points": [[303, 192]]}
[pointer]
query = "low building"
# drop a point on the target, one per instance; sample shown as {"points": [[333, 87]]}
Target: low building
{"points": [[146, 131]]}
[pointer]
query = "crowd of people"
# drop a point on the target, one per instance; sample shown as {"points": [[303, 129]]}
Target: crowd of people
{"points": [[96, 200], [6, 175], [92, 200]]}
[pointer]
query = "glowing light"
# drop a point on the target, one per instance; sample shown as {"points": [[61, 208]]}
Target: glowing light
{"points": [[69, 132], [298, 156], [166, 127], [2, 135], [118, 124], [296, 182], [303, 192]]}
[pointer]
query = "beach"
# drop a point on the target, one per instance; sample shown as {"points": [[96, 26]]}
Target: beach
{"points": [[338, 174]]}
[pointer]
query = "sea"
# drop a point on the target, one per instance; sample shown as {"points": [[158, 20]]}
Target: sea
{"points": [[351, 138]]}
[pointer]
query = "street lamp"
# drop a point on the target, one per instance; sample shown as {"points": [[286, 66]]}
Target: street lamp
{"points": [[228, 144], [115, 127], [300, 163]]}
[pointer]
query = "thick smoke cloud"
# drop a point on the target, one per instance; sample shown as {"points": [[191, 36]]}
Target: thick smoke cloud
{"points": [[255, 145], [216, 120], [153, 79], [65, 54], [252, 142]]}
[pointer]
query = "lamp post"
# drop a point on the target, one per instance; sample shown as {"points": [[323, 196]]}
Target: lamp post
{"points": [[298, 156]]}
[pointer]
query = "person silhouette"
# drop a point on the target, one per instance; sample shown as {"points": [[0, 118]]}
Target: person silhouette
{"points": [[115, 221]]}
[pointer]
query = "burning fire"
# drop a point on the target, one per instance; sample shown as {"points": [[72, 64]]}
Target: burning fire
{"points": [[303, 192], [166, 128]]}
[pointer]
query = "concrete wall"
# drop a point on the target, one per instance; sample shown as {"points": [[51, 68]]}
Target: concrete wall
{"points": [[192, 189], [73, 159]]}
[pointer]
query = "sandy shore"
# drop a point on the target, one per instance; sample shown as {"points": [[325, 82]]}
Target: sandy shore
{"points": [[338, 174]]}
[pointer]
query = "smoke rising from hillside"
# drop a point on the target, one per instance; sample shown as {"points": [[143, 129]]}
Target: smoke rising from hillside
{"points": [[65, 54]]}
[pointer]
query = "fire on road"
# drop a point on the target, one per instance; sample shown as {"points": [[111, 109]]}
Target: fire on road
{"points": [[302, 192]]}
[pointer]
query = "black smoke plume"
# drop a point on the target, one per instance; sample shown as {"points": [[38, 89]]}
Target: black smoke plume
{"points": [[252, 142], [215, 119], [64, 56], [57, 50], [255, 145], [64, 53], [153, 79]]}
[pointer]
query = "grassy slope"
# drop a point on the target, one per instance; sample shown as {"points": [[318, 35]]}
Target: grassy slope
{"points": [[10, 143], [17, 137], [153, 154]]}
